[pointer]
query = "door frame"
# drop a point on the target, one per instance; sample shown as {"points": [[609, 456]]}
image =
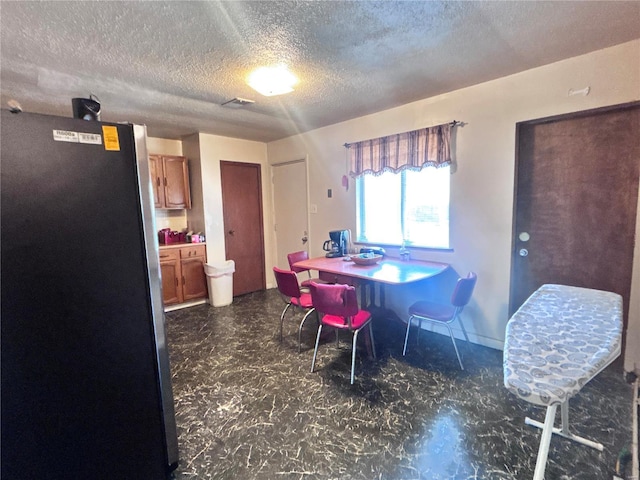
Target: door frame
{"points": [[554, 118], [305, 161]]}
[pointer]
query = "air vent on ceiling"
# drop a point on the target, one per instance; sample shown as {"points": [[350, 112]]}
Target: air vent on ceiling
{"points": [[238, 103]]}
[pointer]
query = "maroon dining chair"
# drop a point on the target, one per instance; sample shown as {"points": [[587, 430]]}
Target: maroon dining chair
{"points": [[289, 289], [338, 306], [295, 257], [440, 314]]}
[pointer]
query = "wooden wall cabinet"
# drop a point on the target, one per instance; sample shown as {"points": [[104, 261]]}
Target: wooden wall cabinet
{"points": [[170, 178], [182, 270]]}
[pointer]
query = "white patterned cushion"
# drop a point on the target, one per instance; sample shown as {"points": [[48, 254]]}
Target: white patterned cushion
{"points": [[558, 340]]}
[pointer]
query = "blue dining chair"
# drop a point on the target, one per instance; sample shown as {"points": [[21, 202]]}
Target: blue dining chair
{"points": [[440, 314]]}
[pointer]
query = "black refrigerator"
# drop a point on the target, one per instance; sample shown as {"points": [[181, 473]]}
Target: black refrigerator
{"points": [[86, 385]]}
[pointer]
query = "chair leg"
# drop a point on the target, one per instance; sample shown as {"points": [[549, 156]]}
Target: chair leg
{"points": [[464, 332], [453, 339], [284, 312], [353, 355], [300, 329], [315, 350], [406, 336]]}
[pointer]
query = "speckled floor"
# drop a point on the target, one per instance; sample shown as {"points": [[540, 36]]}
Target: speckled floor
{"points": [[248, 407]]}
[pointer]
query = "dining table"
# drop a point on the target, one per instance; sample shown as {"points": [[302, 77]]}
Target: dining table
{"points": [[387, 271]]}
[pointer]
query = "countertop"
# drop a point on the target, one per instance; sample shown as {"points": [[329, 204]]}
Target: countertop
{"points": [[182, 244]]}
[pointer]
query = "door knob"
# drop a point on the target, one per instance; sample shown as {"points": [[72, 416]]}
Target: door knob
{"points": [[523, 252], [231, 232], [304, 239]]}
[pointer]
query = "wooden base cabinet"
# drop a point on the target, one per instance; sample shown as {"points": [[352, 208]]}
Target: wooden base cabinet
{"points": [[194, 281], [182, 270], [171, 276]]}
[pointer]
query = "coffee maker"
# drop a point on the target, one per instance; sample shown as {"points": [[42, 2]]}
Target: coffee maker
{"points": [[337, 245]]}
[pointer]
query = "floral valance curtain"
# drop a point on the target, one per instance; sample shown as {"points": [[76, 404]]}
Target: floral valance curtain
{"points": [[410, 150]]}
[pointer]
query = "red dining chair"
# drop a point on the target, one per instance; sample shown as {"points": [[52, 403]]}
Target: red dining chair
{"points": [[295, 257], [338, 305], [444, 314], [289, 289]]}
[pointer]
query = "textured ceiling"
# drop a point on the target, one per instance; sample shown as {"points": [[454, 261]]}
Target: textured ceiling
{"points": [[170, 65]]}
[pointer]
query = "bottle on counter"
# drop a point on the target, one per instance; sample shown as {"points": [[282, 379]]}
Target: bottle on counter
{"points": [[404, 251]]}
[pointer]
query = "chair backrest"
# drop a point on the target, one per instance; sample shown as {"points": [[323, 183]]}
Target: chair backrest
{"points": [[297, 257], [464, 289], [287, 282], [334, 299]]}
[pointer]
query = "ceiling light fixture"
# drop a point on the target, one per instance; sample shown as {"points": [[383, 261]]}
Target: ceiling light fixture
{"points": [[271, 81]]}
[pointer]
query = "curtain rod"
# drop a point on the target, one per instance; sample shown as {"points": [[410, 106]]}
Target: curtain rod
{"points": [[453, 123]]}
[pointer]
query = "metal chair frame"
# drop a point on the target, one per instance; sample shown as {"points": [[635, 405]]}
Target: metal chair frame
{"points": [[347, 309], [294, 257], [459, 299], [290, 292]]}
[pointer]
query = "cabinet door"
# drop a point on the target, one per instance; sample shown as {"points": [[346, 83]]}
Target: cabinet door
{"points": [[193, 277], [157, 180], [171, 281], [176, 182]]}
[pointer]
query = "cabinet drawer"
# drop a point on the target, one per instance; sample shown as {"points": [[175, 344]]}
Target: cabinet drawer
{"points": [[195, 251], [167, 254]]}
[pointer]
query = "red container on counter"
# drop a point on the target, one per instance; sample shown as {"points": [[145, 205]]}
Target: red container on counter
{"points": [[167, 237], [163, 236]]}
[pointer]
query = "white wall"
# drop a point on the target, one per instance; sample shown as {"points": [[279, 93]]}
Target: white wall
{"points": [[213, 149], [483, 182], [195, 215], [164, 146]]}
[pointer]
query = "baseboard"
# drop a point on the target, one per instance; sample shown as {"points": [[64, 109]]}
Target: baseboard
{"points": [[193, 303], [494, 343]]}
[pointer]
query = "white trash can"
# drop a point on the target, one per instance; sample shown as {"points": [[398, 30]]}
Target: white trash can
{"points": [[220, 282]]}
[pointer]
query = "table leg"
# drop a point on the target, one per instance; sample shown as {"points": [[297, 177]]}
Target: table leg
{"points": [[368, 346], [372, 294], [363, 294]]}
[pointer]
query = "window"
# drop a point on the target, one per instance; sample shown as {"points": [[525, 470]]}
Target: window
{"points": [[410, 205]]}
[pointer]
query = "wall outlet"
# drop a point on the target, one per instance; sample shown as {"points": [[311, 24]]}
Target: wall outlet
{"points": [[313, 208]]}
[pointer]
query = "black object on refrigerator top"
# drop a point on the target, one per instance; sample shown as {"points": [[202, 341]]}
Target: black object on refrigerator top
{"points": [[86, 389]]}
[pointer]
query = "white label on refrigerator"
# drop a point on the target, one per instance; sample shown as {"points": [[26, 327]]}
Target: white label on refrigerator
{"points": [[65, 136], [93, 138]]}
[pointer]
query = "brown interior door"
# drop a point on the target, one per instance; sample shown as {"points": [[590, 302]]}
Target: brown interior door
{"points": [[576, 200], [242, 211]]}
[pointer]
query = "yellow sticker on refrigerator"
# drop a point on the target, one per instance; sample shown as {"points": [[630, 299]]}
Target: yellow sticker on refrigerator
{"points": [[111, 141]]}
